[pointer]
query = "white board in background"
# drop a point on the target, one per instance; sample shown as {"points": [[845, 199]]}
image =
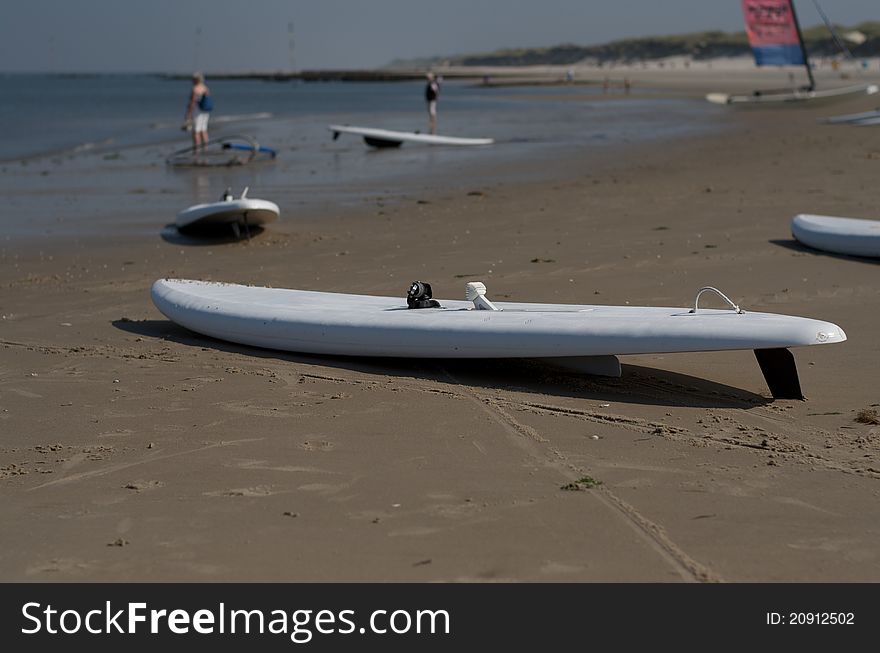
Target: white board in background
{"points": [[781, 98], [389, 138], [851, 236], [848, 118], [243, 211]]}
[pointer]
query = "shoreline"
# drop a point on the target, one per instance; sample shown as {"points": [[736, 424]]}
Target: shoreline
{"points": [[116, 188]]}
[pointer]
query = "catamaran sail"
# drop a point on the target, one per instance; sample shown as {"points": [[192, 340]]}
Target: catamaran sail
{"points": [[772, 28], [775, 35], [776, 40]]}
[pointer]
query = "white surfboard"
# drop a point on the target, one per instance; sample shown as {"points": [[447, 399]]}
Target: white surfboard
{"points": [[759, 98], [868, 122], [388, 138], [863, 117], [364, 325], [241, 212], [851, 236]]}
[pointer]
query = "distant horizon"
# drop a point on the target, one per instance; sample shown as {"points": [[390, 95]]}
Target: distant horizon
{"points": [[167, 37], [281, 71]]}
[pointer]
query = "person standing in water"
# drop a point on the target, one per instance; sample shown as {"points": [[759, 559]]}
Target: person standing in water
{"points": [[432, 92], [198, 110]]}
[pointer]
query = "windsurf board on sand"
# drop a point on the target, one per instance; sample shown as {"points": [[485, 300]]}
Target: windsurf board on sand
{"points": [[852, 236], [584, 337], [868, 122], [244, 212], [764, 98], [388, 138], [227, 152], [862, 118]]}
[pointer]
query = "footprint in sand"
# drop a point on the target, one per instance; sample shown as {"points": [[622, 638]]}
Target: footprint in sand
{"points": [[324, 488], [265, 465], [256, 491], [26, 393], [825, 544], [246, 408], [317, 445], [141, 486], [415, 531], [116, 434], [560, 568], [70, 566]]}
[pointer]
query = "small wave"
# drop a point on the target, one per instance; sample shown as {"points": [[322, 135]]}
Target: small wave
{"points": [[88, 146], [219, 119], [244, 116], [82, 148]]}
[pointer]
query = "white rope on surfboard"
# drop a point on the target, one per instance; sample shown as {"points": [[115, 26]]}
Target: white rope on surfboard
{"points": [[717, 292]]}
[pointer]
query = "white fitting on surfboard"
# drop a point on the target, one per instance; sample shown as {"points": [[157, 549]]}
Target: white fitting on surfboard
{"points": [[475, 291]]}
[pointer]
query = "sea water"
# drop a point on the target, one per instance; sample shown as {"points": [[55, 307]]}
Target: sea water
{"points": [[81, 154]]}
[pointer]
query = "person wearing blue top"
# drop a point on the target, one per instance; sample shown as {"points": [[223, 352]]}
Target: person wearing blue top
{"points": [[198, 110], [432, 92]]}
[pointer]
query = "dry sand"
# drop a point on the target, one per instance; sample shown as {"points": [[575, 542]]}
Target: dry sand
{"points": [[681, 74], [135, 450]]}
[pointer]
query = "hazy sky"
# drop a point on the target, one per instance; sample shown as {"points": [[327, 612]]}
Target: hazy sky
{"points": [[161, 35]]}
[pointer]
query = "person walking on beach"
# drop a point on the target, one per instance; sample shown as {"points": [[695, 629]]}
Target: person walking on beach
{"points": [[198, 110], [432, 92]]}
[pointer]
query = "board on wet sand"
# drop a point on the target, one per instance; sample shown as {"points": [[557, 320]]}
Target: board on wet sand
{"points": [[226, 152], [861, 118], [389, 138], [243, 212], [812, 96]]}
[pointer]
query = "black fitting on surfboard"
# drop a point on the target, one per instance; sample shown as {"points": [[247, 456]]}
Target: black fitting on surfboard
{"points": [[780, 372], [373, 141], [419, 296]]}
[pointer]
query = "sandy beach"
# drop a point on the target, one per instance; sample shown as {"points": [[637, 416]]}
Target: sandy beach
{"points": [[133, 449]]}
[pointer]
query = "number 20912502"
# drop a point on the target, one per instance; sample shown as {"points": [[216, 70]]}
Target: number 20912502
{"points": [[811, 618]]}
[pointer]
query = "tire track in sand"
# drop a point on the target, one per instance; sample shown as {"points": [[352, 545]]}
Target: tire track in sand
{"points": [[532, 442], [144, 461]]}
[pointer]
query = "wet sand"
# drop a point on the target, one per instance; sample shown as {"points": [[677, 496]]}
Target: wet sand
{"points": [[135, 450]]}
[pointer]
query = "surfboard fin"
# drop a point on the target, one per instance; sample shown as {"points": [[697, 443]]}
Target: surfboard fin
{"points": [[335, 135], [372, 141], [780, 373], [594, 365]]}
